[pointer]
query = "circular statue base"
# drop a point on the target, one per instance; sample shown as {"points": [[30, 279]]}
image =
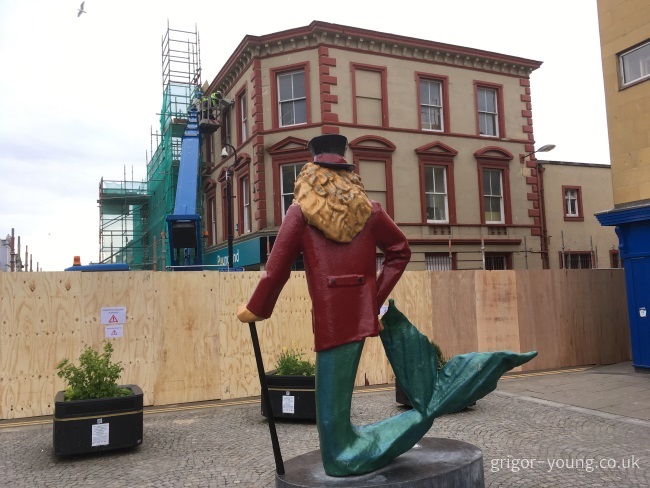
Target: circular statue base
{"points": [[443, 463]]}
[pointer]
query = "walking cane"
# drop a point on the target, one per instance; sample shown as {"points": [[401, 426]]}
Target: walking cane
{"points": [[279, 465]]}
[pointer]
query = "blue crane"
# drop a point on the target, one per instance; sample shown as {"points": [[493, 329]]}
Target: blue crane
{"points": [[184, 225]]}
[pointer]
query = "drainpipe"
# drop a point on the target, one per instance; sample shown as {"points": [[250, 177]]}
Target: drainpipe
{"points": [[542, 211]]}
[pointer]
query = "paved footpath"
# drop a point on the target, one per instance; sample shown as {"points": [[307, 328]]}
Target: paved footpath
{"points": [[527, 440]]}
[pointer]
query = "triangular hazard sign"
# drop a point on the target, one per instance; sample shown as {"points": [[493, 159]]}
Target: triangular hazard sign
{"points": [[112, 320], [114, 333]]}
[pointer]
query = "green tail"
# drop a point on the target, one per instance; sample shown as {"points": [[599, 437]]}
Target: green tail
{"points": [[351, 450]]}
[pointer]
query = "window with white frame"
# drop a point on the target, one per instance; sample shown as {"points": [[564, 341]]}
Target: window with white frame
{"points": [[431, 105], [212, 215], [635, 64], [435, 190], [289, 173], [436, 261], [488, 117], [226, 136], [292, 98], [243, 118], [571, 208], [246, 204], [493, 196]]}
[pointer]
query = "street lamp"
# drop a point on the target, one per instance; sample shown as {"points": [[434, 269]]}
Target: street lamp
{"points": [[542, 204], [224, 154], [544, 148]]}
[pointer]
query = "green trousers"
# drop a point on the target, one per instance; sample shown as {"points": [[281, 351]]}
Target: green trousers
{"points": [[349, 449]]}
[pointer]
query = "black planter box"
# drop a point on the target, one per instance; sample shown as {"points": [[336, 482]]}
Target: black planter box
{"points": [[400, 395], [292, 397], [98, 424]]}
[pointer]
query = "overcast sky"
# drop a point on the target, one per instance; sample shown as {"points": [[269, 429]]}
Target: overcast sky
{"points": [[79, 96]]}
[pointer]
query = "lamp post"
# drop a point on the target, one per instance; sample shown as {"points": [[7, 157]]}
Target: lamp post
{"points": [[542, 208], [544, 148], [224, 154]]}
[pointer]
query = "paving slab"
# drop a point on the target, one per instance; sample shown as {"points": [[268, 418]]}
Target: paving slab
{"points": [[526, 441]]}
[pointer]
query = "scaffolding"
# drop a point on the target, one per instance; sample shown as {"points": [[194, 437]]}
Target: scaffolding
{"points": [[132, 214], [181, 75], [123, 217]]}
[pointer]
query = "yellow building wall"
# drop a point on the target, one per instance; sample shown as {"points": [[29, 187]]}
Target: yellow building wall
{"points": [[623, 24], [596, 195]]}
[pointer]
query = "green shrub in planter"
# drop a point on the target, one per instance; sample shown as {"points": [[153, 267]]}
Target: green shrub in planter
{"points": [[439, 357], [94, 413], [292, 386], [290, 362], [95, 377]]}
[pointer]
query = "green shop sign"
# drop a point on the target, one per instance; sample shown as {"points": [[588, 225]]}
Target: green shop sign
{"points": [[244, 253]]}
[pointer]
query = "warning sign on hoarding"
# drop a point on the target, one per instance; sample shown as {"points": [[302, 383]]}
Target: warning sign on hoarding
{"points": [[113, 331], [113, 315]]}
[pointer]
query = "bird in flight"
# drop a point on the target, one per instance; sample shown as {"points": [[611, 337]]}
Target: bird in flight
{"points": [[81, 10]]}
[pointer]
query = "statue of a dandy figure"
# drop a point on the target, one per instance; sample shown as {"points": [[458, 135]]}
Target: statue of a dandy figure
{"points": [[337, 228]]}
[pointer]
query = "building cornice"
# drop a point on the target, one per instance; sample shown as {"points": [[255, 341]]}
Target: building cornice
{"points": [[372, 42]]}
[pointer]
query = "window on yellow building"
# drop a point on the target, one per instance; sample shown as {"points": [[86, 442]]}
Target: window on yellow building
{"points": [[635, 64]]}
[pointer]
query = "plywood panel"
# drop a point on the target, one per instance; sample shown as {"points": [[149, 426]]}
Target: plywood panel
{"points": [[9, 343], [292, 317], [538, 324], [289, 326], [413, 298], [586, 321], [239, 376], [187, 356], [612, 332], [569, 335], [97, 292], [183, 342], [42, 307], [66, 317], [59, 311], [6, 321], [497, 320], [17, 317], [374, 368], [137, 349], [30, 352], [453, 308]]}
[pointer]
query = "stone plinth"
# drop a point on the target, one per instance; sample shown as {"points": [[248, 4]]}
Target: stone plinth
{"points": [[432, 462]]}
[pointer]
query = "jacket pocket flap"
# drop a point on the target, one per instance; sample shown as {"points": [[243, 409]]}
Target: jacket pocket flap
{"points": [[345, 280]]}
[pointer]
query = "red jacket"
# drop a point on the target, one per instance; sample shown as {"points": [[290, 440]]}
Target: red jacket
{"points": [[345, 290]]}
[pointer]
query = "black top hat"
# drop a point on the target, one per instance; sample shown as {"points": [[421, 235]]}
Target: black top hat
{"points": [[328, 151]]}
